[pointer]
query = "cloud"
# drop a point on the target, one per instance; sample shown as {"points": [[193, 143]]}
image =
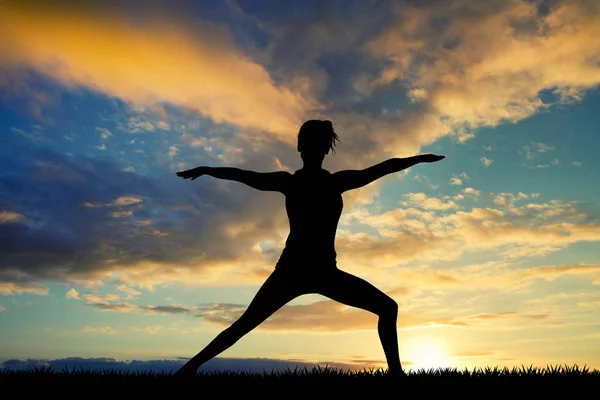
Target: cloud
{"points": [[12, 288], [104, 133], [428, 203], [417, 94], [116, 302], [121, 201], [471, 191], [459, 179], [202, 233], [121, 214], [536, 147], [72, 294], [130, 292], [167, 309], [455, 181], [592, 303], [163, 232], [414, 234], [173, 150], [167, 57], [119, 307], [486, 161], [127, 201], [2, 308], [489, 63], [152, 330], [106, 330], [100, 298], [8, 217], [504, 199], [211, 234]]}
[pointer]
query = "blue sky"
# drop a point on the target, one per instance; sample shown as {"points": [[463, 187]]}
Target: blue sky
{"points": [[490, 253]]}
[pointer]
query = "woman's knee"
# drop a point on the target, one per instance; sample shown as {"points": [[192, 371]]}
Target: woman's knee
{"points": [[389, 307]]}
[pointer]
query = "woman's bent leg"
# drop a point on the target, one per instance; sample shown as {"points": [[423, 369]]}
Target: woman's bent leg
{"points": [[274, 294], [356, 292]]}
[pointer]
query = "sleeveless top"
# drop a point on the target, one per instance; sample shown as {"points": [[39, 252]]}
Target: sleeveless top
{"points": [[313, 206]]}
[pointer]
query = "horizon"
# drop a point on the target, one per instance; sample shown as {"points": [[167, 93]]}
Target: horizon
{"points": [[491, 253]]}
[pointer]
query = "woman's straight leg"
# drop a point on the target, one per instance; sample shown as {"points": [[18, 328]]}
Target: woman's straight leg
{"points": [[277, 290]]}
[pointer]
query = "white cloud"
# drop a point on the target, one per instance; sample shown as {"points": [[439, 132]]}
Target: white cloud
{"points": [[471, 191], [163, 125], [541, 147], [104, 133], [456, 181], [72, 294], [486, 161], [173, 150]]}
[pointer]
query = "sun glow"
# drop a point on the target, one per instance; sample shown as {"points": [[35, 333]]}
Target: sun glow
{"points": [[427, 355]]}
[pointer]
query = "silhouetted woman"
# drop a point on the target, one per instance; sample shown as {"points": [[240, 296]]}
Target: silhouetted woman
{"points": [[313, 200]]}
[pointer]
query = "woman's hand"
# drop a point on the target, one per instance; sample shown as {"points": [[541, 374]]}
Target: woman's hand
{"points": [[429, 158], [193, 173]]}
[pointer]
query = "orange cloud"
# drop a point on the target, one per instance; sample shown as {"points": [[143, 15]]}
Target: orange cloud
{"points": [[159, 60], [152, 329], [416, 234], [11, 288], [107, 330], [8, 217], [488, 68]]}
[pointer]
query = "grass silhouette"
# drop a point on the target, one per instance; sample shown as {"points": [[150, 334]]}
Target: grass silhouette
{"points": [[573, 378]]}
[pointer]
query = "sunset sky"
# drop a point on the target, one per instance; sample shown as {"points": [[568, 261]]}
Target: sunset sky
{"points": [[492, 253]]}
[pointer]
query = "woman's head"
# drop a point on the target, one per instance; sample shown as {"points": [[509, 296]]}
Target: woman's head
{"points": [[317, 137]]}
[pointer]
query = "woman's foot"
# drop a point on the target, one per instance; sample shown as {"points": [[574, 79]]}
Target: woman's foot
{"points": [[185, 372], [397, 373]]}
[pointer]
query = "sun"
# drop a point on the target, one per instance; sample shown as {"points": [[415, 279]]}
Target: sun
{"points": [[427, 355]]}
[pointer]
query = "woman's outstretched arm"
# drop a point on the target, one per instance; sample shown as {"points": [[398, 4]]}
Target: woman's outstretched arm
{"points": [[265, 181], [352, 179]]}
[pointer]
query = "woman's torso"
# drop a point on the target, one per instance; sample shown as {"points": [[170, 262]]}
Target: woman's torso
{"points": [[313, 206]]}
